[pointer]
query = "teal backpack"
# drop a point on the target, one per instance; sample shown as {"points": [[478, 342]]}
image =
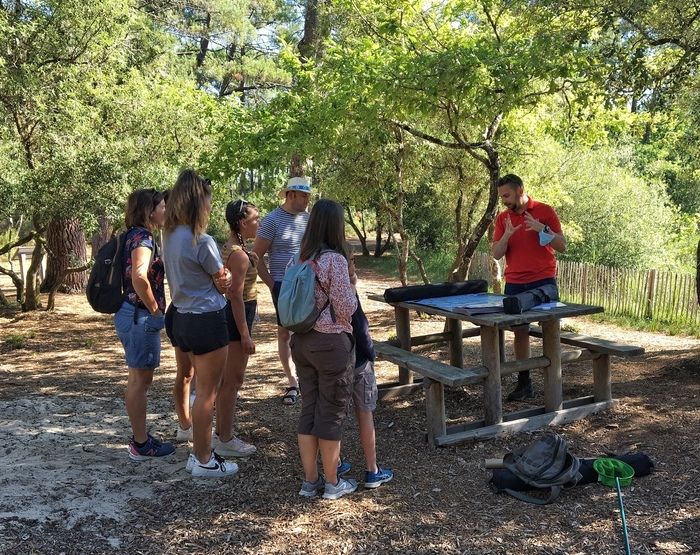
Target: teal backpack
{"points": [[296, 303]]}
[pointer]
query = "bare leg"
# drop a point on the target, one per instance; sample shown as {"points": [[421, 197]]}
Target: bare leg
{"points": [[308, 450], [365, 423], [231, 382], [136, 399], [330, 455], [209, 369], [181, 390], [285, 354]]}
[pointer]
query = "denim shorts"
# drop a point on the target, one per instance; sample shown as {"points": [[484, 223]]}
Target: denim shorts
{"points": [[251, 308], [139, 333]]}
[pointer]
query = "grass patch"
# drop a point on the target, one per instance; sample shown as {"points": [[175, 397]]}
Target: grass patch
{"points": [[642, 324], [437, 265], [18, 340]]}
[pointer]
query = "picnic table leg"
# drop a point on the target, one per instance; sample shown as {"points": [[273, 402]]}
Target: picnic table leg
{"points": [[435, 409], [493, 408], [551, 346], [602, 390], [403, 334], [502, 344], [454, 327]]}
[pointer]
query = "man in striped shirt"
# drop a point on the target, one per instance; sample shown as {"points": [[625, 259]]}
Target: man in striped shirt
{"points": [[279, 236]]}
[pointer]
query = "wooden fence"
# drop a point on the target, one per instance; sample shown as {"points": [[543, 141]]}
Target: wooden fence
{"points": [[652, 294]]}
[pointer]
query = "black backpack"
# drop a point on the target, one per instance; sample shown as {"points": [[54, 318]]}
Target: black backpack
{"points": [[545, 464], [105, 290]]}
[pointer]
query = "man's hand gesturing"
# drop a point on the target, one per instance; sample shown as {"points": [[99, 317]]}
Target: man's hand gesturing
{"points": [[509, 229], [531, 224]]}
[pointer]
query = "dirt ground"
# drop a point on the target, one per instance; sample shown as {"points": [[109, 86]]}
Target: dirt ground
{"points": [[68, 486]]}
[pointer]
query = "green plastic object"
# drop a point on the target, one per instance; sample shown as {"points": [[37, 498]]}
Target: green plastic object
{"points": [[609, 469]]}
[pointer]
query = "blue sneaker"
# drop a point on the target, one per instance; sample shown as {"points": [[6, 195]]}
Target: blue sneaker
{"points": [[152, 448], [376, 479], [343, 468]]}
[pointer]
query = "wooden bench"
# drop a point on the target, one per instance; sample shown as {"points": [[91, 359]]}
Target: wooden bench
{"points": [[599, 351], [436, 375]]}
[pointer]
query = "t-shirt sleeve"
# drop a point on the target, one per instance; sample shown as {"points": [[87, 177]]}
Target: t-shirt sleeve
{"points": [[144, 239], [552, 220], [498, 228], [267, 227], [208, 255]]}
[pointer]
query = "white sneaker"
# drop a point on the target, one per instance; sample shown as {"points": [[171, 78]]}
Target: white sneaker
{"points": [[217, 467], [234, 447], [191, 461], [193, 396], [184, 435]]}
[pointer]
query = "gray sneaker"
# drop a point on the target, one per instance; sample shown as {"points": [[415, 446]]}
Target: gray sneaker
{"points": [[234, 447], [310, 489], [343, 487]]}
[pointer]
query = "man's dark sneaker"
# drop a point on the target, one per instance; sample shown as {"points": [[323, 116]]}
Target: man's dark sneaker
{"points": [[521, 392]]}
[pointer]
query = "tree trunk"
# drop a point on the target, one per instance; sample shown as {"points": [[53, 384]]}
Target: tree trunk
{"points": [[495, 267], [17, 281], [360, 232], [66, 246], [397, 211], [32, 300], [102, 235]]}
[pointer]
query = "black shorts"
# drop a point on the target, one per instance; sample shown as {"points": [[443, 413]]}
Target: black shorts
{"points": [[169, 323], [250, 309], [275, 295], [517, 288], [200, 333]]}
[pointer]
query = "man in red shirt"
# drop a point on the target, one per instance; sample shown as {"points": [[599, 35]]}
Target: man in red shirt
{"points": [[527, 233]]}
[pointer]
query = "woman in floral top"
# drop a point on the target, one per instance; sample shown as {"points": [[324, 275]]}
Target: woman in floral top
{"points": [[325, 356], [140, 318]]}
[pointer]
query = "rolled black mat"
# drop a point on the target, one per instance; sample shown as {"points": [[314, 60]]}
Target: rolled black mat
{"points": [[447, 289]]}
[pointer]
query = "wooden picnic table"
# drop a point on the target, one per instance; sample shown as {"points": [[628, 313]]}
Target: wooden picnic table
{"points": [[490, 328]]}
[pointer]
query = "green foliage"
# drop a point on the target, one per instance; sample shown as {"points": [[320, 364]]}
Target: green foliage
{"points": [[427, 217]]}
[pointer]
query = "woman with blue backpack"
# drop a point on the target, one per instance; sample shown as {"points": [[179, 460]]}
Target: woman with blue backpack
{"points": [[324, 356]]}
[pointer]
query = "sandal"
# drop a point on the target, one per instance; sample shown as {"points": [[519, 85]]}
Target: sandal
{"points": [[291, 395]]}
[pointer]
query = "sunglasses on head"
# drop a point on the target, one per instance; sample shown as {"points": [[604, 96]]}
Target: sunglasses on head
{"points": [[242, 203]]}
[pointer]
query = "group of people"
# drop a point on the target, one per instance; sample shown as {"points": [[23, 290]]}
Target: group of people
{"points": [[210, 318], [213, 304]]}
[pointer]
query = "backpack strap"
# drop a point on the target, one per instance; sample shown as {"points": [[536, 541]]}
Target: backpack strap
{"points": [[554, 492]]}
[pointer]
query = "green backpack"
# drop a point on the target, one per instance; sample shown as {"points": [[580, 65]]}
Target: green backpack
{"points": [[545, 464]]}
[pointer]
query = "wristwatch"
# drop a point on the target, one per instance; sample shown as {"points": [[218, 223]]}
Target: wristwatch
{"points": [[546, 229]]}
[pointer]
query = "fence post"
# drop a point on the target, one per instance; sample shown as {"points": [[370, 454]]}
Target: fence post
{"points": [[651, 294], [584, 284]]}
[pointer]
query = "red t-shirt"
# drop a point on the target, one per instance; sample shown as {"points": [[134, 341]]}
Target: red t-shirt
{"points": [[526, 260]]}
